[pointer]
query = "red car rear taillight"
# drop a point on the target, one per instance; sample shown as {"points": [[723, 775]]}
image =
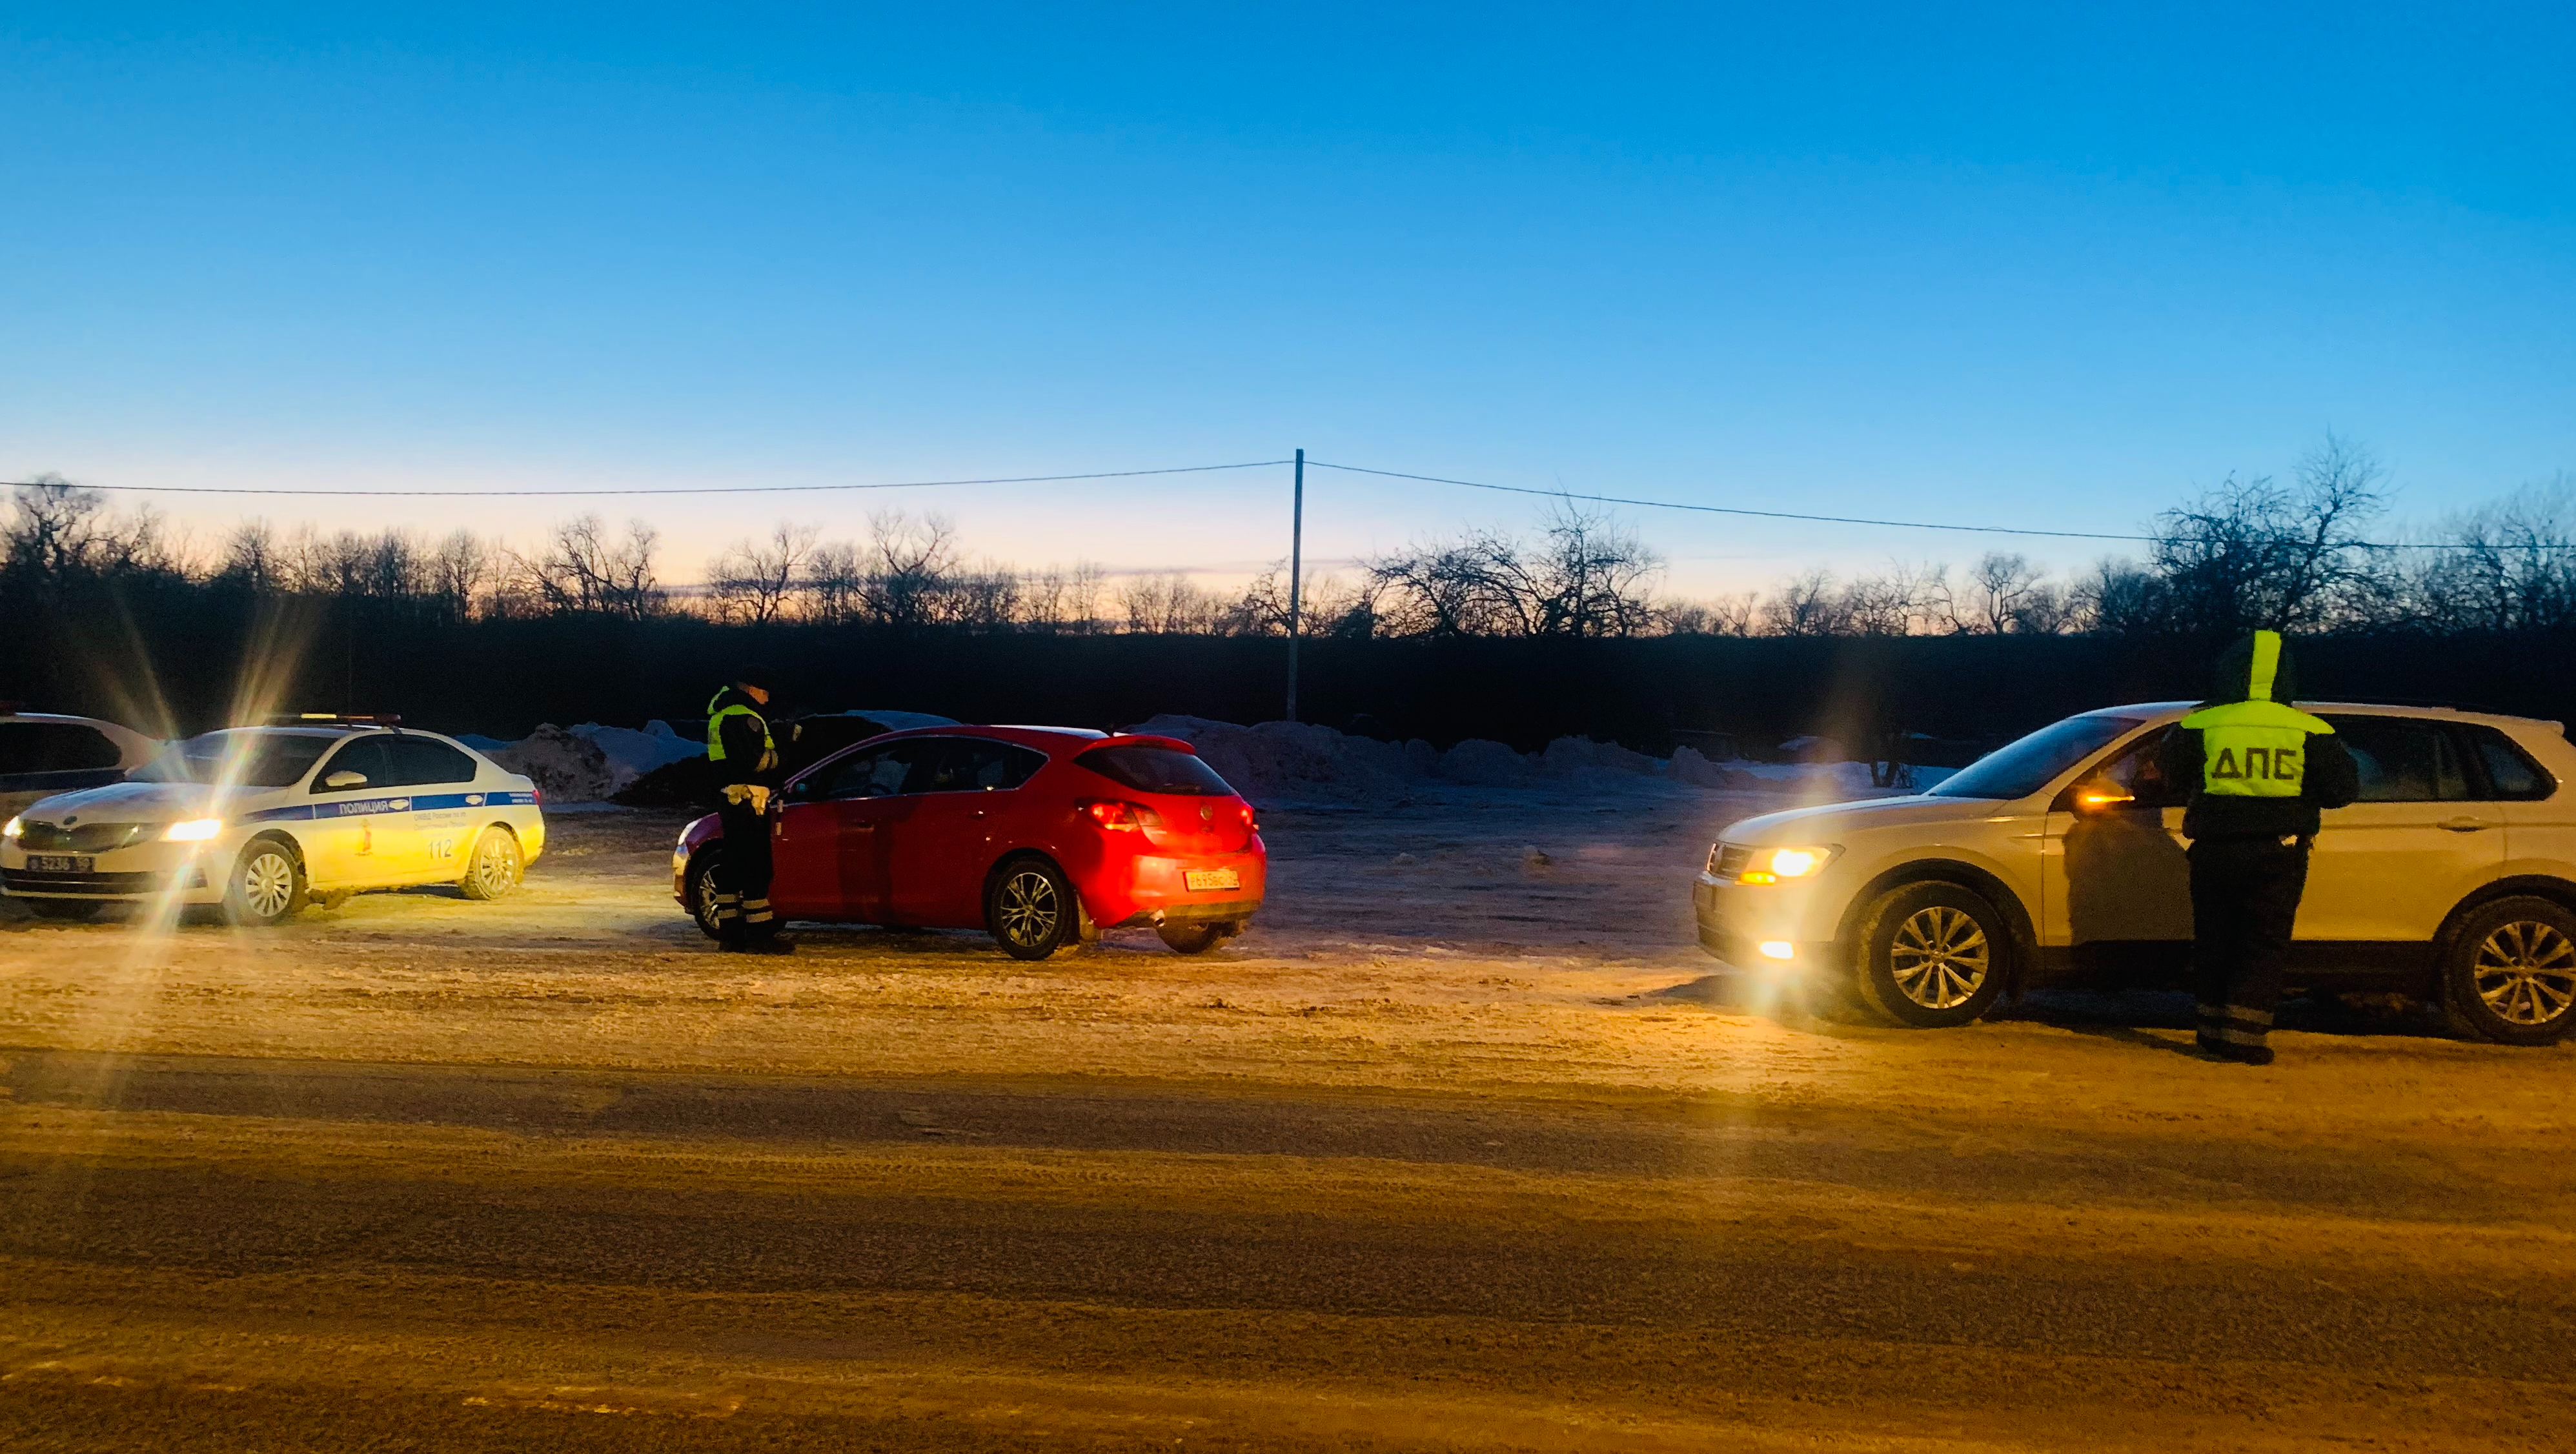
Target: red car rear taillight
{"points": [[1119, 817]]}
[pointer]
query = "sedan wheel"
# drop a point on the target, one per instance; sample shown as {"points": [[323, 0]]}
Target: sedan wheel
{"points": [[1931, 955], [2511, 972], [1030, 909], [496, 867], [267, 885]]}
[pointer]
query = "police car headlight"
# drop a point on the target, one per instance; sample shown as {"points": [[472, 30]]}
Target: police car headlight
{"points": [[14, 828], [195, 830], [1771, 865]]}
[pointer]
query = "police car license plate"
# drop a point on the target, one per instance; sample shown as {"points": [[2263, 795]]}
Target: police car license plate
{"points": [[1211, 878], [59, 863]]}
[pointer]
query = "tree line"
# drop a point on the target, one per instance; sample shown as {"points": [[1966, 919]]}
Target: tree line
{"points": [[2311, 553]]}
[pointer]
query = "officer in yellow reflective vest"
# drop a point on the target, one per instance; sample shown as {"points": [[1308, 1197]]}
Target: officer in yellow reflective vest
{"points": [[2258, 770], [745, 759]]}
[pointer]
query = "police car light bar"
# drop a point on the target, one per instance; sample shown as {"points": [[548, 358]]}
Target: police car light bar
{"points": [[334, 719]]}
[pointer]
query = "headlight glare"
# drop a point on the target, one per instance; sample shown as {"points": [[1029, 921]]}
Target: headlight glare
{"points": [[194, 830], [13, 828], [1771, 865]]}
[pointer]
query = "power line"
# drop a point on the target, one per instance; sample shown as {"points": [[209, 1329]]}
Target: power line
{"points": [[1890, 524], [1189, 469], [1729, 509], [1735, 510]]}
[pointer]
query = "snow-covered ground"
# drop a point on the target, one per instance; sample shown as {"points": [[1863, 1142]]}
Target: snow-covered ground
{"points": [[1462, 1146]]}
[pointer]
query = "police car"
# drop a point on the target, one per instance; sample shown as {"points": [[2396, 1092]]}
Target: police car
{"points": [[262, 820]]}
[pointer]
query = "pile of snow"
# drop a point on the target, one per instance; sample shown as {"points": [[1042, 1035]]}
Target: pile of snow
{"points": [[1840, 779], [1483, 764], [1286, 762], [631, 754], [587, 763], [566, 768], [1579, 757], [1298, 761], [1270, 762]]}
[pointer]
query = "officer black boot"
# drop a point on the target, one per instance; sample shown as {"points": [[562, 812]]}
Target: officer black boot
{"points": [[729, 927], [761, 930], [2235, 1034]]}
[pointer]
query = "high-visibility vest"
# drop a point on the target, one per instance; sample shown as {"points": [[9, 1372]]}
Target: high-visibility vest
{"points": [[2257, 748], [715, 732]]}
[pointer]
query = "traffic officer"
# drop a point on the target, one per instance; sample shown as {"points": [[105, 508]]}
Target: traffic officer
{"points": [[2258, 770], [745, 758]]}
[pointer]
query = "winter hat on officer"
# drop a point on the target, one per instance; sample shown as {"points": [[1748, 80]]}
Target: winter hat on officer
{"points": [[2234, 679]]}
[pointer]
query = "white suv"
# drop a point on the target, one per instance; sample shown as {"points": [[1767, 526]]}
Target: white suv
{"points": [[2452, 877], [261, 819]]}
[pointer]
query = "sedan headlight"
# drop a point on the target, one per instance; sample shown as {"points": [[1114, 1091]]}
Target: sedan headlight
{"points": [[1771, 865], [195, 830], [14, 828]]}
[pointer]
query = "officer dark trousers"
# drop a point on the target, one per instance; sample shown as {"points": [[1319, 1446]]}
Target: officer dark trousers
{"points": [[2244, 897], [742, 876]]}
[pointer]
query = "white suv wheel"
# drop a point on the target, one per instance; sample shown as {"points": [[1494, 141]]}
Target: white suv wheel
{"points": [[2510, 972], [1930, 955]]}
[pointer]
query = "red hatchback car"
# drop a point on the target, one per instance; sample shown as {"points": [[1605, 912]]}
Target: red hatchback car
{"points": [[1040, 835]]}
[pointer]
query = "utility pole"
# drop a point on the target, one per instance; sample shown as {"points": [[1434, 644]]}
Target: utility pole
{"points": [[1296, 574]]}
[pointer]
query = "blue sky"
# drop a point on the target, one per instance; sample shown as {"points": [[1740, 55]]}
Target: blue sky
{"points": [[2032, 266]]}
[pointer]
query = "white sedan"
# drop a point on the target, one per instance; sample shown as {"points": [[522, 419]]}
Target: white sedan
{"points": [[262, 820]]}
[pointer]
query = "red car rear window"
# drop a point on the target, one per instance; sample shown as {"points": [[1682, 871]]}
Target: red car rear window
{"points": [[1156, 770]]}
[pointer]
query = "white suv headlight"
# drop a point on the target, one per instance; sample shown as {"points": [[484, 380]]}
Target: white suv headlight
{"points": [[194, 830], [14, 828], [1771, 865]]}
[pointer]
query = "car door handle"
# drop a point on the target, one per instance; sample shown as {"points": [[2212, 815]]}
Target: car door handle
{"points": [[2464, 825]]}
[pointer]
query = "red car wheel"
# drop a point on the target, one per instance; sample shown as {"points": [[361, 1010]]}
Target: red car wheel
{"points": [[1031, 910]]}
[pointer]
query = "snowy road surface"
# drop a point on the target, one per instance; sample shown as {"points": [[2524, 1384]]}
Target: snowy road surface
{"points": [[1456, 1150]]}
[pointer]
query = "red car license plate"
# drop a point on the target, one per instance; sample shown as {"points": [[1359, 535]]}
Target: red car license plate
{"points": [[62, 863], [1212, 878]]}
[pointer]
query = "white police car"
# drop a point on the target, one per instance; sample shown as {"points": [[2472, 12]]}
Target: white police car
{"points": [[261, 820]]}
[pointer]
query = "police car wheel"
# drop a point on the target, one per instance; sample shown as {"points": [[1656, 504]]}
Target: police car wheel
{"points": [[1031, 910], [2509, 972], [75, 909], [1931, 955], [267, 885], [495, 869], [702, 891]]}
